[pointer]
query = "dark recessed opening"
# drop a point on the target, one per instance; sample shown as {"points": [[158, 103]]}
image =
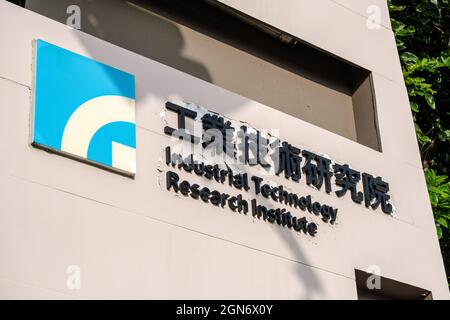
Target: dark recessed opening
{"points": [[230, 26], [389, 289]]}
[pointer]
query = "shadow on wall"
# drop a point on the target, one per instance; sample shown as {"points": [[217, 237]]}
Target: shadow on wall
{"points": [[129, 26]]}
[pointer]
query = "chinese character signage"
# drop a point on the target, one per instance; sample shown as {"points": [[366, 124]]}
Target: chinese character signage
{"points": [[236, 145]]}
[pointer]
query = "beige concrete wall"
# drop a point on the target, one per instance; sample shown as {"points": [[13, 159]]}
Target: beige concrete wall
{"points": [[132, 27], [134, 239]]}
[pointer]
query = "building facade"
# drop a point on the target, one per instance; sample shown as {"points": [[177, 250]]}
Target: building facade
{"points": [[312, 188]]}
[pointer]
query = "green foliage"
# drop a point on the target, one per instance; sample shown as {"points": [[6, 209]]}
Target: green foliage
{"points": [[422, 32], [439, 191]]}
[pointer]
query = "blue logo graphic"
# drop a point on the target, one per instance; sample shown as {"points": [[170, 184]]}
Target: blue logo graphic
{"points": [[84, 108]]}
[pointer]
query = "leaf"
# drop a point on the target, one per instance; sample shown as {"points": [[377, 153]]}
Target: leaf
{"points": [[447, 134], [439, 231], [414, 107], [430, 100], [409, 57], [444, 135], [434, 200], [421, 137], [442, 222]]}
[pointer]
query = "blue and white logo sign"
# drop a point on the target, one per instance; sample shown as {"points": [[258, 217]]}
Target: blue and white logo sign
{"points": [[84, 108]]}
